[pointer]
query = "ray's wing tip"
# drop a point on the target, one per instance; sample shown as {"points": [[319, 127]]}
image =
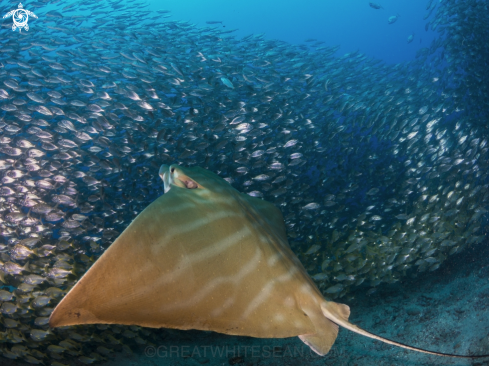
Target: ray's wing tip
{"points": [[64, 320], [54, 320], [58, 318], [62, 317]]}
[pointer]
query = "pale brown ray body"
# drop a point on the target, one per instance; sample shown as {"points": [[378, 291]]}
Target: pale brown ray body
{"points": [[205, 256]]}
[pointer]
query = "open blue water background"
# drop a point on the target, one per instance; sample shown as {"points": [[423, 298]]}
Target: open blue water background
{"points": [[352, 24]]}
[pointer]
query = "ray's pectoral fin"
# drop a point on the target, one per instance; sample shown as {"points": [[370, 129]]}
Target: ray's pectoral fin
{"points": [[326, 331], [324, 338]]}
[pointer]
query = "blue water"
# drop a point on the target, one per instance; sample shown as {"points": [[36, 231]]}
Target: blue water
{"points": [[352, 24]]}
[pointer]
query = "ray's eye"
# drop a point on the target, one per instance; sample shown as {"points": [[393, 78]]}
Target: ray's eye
{"points": [[191, 184]]}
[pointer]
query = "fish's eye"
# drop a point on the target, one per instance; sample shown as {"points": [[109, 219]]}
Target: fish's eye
{"points": [[172, 170]]}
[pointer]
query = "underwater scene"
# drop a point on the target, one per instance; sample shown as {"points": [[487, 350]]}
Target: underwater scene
{"points": [[244, 182]]}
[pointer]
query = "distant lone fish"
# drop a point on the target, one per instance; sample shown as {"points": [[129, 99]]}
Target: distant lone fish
{"points": [[205, 256], [375, 6], [392, 19]]}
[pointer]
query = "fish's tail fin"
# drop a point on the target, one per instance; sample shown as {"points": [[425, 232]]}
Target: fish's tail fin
{"points": [[26, 267], [337, 314], [326, 331]]}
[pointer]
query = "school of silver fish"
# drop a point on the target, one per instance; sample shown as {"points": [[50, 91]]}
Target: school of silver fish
{"points": [[380, 171]]}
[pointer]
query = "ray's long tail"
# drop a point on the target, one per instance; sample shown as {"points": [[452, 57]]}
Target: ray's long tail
{"points": [[339, 313]]}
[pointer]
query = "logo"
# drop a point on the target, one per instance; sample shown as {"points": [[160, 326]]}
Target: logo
{"points": [[20, 17]]}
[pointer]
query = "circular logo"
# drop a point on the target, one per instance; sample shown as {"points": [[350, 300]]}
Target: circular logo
{"points": [[20, 18]]}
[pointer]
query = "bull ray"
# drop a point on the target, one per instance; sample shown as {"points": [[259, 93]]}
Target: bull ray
{"points": [[205, 256]]}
